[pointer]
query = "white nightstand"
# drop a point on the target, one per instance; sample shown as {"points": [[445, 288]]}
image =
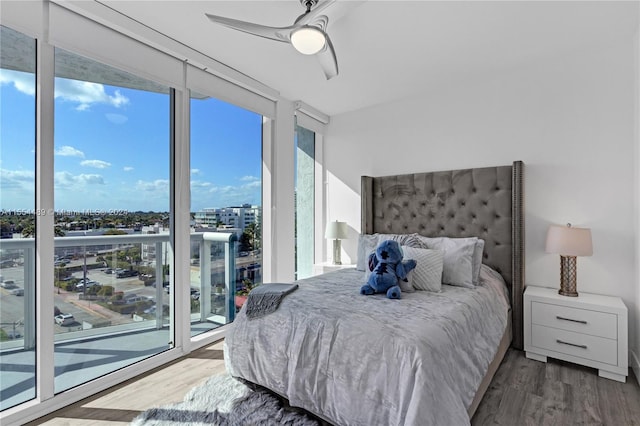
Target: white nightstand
{"points": [[322, 268], [590, 330]]}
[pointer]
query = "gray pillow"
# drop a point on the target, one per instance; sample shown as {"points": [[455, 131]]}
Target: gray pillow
{"points": [[366, 244]]}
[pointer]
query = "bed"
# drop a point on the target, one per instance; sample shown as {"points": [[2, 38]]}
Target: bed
{"points": [[424, 359]]}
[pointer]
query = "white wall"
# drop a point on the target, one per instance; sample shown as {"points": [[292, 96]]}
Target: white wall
{"points": [[571, 119], [635, 355]]}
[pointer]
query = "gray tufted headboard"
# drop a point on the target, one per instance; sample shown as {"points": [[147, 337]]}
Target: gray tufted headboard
{"points": [[487, 203]]}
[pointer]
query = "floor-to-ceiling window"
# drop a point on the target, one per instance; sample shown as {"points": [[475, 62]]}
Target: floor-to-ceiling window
{"points": [[110, 130], [17, 213], [305, 200], [112, 218], [226, 198]]}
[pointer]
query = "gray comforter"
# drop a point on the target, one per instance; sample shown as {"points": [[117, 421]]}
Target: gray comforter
{"points": [[369, 360]]}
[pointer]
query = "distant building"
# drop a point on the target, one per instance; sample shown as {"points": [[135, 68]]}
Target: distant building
{"points": [[148, 251], [229, 217]]}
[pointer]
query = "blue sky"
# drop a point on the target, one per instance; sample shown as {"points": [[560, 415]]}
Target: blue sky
{"points": [[112, 148]]}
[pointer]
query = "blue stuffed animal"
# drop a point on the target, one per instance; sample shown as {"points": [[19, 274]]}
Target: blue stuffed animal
{"points": [[387, 268]]}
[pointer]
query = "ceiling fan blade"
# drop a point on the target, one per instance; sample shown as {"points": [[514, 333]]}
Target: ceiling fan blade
{"points": [[272, 33], [321, 22], [306, 18], [327, 59]]}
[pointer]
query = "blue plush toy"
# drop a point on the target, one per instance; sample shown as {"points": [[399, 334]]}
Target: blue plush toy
{"points": [[387, 268]]}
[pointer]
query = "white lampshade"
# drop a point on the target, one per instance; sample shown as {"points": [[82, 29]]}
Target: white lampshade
{"points": [[569, 241], [336, 230], [308, 40]]}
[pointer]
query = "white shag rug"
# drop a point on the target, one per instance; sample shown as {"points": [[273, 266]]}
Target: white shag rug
{"points": [[225, 401]]}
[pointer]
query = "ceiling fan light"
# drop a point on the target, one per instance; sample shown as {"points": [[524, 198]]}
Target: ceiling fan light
{"points": [[308, 40]]}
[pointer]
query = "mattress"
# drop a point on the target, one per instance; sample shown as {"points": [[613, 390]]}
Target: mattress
{"points": [[368, 360]]}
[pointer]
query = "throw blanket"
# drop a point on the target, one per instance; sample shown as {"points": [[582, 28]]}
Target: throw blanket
{"points": [[266, 298]]}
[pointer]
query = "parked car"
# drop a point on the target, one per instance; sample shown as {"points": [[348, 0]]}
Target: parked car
{"points": [[17, 292], [127, 273], [133, 298], [80, 286], [7, 264], [14, 335], [8, 284], [64, 319]]}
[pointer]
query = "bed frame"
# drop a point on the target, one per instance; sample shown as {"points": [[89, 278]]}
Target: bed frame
{"points": [[487, 203]]}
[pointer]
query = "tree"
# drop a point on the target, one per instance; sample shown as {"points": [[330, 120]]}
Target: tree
{"points": [[252, 232], [245, 242], [30, 230]]}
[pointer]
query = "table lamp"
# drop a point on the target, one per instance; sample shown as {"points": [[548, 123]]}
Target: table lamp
{"points": [[336, 231], [569, 242]]}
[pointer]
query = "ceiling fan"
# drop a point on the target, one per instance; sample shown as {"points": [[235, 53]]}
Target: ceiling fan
{"points": [[307, 34]]}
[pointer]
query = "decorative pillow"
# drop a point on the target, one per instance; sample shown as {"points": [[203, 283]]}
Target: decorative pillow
{"points": [[409, 240], [366, 244], [458, 259], [407, 286], [427, 274], [441, 243]]}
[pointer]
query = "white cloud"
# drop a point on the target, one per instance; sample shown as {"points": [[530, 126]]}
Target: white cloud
{"points": [[195, 171], [253, 185], [196, 184], [69, 151], [16, 178], [22, 81], [127, 168], [85, 94], [158, 185], [98, 164], [207, 194], [250, 178], [117, 118], [67, 180]]}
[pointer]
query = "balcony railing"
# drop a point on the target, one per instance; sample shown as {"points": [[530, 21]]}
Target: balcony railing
{"points": [[157, 246]]}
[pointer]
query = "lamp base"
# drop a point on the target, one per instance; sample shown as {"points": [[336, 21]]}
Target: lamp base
{"points": [[336, 252], [568, 275]]}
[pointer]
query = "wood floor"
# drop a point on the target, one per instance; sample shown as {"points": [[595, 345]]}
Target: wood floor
{"points": [[528, 392], [523, 392], [120, 404]]}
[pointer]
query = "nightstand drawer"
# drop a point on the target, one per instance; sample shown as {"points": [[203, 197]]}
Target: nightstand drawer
{"points": [[594, 323], [575, 344]]}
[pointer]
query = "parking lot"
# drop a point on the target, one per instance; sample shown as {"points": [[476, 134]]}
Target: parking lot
{"points": [[12, 305]]}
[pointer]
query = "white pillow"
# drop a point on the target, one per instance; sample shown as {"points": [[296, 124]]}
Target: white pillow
{"points": [[427, 275], [458, 247], [478, 252], [407, 285]]}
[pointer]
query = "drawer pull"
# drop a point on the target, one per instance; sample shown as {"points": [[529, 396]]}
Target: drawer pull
{"points": [[572, 320], [571, 344]]}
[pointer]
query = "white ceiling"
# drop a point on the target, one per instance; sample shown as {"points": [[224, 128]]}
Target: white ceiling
{"points": [[388, 50]]}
